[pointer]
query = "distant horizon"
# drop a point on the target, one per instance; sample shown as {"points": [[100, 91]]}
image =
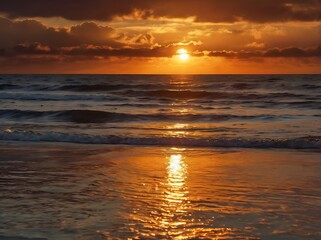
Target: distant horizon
{"points": [[166, 74]]}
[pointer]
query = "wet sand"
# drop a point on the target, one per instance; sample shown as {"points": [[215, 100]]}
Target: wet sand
{"points": [[73, 191]]}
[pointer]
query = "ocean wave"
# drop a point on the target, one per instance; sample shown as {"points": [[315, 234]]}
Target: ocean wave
{"points": [[80, 87], [93, 116], [155, 95], [310, 86], [151, 91], [189, 94], [7, 86], [312, 142], [54, 97], [158, 88], [27, 87], [109, 87]]}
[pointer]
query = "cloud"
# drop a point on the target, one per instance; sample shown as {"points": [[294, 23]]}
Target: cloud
{"points": [[271, 53], [206, 10], [255, 45], [2, 52], [91, 33], [139, 39], [29, 31], [31, 38], [74, 10], [235, 54], [120, 52], [290, 52], [92, 51], [35, 48], [88, 33]]}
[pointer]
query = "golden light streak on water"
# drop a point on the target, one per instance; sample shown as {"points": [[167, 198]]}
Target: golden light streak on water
{"points": [[177, 130], [175, 202]]}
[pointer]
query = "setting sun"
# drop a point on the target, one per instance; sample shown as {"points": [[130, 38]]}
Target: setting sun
{"points": [[183, 54]]}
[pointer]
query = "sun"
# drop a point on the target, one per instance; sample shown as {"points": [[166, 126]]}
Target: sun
{"points": [[182, 54]]}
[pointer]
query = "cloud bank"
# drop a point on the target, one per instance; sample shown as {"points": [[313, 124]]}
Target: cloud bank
{"points": [[205, 10]]}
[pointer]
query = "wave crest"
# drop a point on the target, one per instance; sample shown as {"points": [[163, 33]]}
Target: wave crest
{"points": [[94, 116], [311, 142]]}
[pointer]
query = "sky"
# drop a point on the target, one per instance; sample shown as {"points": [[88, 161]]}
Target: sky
{"points": [[150, 36]]}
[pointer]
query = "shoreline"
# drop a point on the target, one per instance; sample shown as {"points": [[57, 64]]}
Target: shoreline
{"points": [[69, 191]]}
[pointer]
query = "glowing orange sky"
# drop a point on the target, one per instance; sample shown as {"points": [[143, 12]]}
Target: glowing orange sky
{"points": [[144, 36]]}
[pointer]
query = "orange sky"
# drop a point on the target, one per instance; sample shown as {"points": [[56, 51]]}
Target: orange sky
{"points": [[104, 36]]}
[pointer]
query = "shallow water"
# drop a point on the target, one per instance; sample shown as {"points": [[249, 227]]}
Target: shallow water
{"points": [[66, 191], [281, 111]]}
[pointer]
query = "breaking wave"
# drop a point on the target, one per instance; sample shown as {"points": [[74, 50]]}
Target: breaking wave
{"points": [[92, 116], [188, 94], [312, 142]]}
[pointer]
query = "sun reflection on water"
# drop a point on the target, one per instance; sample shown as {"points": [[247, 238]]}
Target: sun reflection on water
{"points": [[177, 130], [175, 202], [181, 81], [165, 203], [176, 171]]}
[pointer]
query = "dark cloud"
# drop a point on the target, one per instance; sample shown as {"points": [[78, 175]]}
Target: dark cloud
{"points": [[34, 48], [288, 52], [121, 52], [29, 31], [281, 53], [205, 10], [245, 10], [89, 33], [75, 10], [2, 52], [158, 51], [91, 51], [235, 54]]}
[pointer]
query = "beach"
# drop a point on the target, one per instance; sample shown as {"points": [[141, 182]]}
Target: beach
{"points": [[77, 191]]}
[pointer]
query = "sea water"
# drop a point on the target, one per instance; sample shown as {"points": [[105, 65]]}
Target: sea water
{"points": [[193, 157], [259, 111]]}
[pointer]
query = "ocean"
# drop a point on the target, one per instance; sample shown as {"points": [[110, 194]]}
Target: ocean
{"points": [[252, 111], [160, 157]]}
